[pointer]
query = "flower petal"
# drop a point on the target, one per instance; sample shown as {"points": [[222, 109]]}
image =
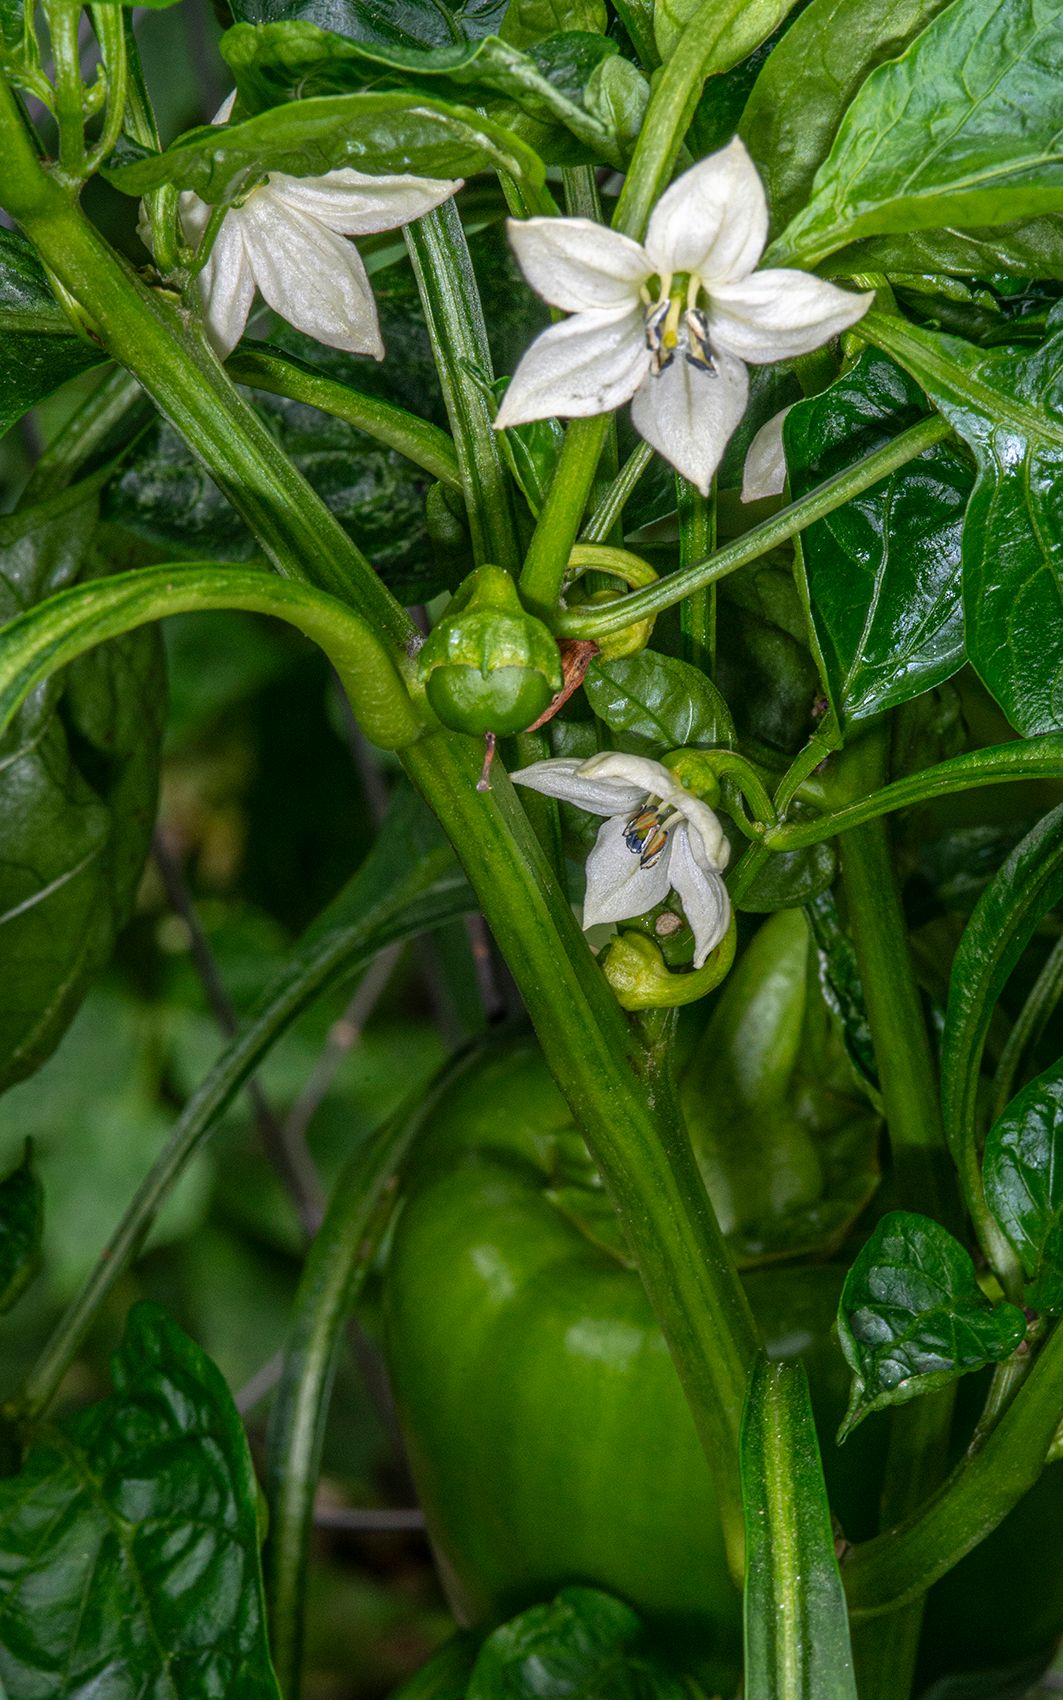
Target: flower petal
{"points": [[712, 221], [564, 777], [618, 886], [688, 414], [310, 276], [706, 904], [226, 286], [579, 265], [707, 837], [777, 314], [353, 203], [588, 364], [764, 473], [639, 774]]}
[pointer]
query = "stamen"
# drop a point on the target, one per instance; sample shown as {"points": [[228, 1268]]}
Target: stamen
{"points": [[645, 836]]}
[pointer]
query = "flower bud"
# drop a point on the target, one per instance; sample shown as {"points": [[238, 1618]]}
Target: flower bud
{"points": [[489, 665]]}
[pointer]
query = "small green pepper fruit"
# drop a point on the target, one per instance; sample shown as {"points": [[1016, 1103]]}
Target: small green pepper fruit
{"points": [[489, 665]]}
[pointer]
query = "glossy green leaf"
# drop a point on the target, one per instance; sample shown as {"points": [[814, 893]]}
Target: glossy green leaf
{"points": [[1023, 1178], [656, 698], [802, 92], [409, 23], [529, 21], [843, 992], [583, 1645], [963, 129], [912, 1316], [882, 571], [149, 1581], [21, 1226], [1031, 248], [38, 349], [371, 132], [80, 768], [1006, 406], [797, 1626], [272, 61]]}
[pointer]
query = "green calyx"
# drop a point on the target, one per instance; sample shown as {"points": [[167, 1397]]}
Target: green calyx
{"points": [[489, 665]]}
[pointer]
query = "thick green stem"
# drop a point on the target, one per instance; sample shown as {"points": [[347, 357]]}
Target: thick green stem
{"points": [[761, 539], [922, 1167], [902, 1563], [630, 1122], [697, 539], [451, 304]]}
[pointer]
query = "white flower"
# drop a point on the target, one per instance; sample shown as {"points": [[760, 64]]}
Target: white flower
{"points": [[675, 350], [764, 473], [657, 838], [288, 240]]}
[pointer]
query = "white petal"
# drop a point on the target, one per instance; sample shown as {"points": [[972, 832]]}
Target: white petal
{"points": [[707, 837], [194, 215], [706, 904], [638, 774], [688, 414], [578, 265], [564, 777], [775, 315], [226, 287], [618, 886], [311, 277], [224, 112], [352, 203], [764, 473], [588, 364], [713, 220]]}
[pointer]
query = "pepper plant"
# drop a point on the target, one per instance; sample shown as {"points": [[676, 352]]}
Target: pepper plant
{"points": [[712, 647]]}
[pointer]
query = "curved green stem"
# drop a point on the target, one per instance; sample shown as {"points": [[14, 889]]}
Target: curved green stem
{"points": [[48, 636], [422, 443], [1028, 758], [109, 24], [609, 510], [1030, 1023], [83, 435], [333, 1275], [903, 1562], [641, 604]]}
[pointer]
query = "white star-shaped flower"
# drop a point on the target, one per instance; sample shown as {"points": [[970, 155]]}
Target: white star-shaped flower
{"points": [[658, 838], [669, 324], [288, 239]]}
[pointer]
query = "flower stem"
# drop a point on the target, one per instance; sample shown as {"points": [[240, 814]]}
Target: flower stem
{"points": [[853, 481], [562, 512], [697, 539]]}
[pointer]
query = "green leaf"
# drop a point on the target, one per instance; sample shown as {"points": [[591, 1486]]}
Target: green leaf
{"points": [[1006, 406], [912, 1316], [80, 768], [408, 23], [21, 1227], [843, 992], [654, 697], [529, 21], [583, 1645], [270, 62], [963, 129], [1031, 248], [1023, 1179], [372, 132], [149, 1580], [797, 1626], [38, 349], [801, 94], [882, 571]]}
